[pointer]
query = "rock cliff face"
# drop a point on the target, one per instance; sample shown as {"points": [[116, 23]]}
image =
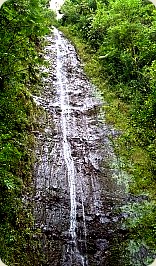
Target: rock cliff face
{"points": [[76, 196]]}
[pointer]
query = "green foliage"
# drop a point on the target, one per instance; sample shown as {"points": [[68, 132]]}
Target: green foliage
{"points": [[141, 222], [23, 24]]}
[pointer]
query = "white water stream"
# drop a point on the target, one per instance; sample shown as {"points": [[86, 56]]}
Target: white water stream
{"points": [[64, 104]]}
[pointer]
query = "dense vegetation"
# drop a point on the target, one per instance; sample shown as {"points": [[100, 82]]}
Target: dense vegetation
{"points": [[117, 40], [23, 24]]}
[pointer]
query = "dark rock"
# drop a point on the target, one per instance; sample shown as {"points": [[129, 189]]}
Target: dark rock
{"points": [[54, 188], [88, 218], [102, 244]]}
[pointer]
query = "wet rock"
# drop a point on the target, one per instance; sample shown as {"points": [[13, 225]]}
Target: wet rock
{"points": [[139, 199], [79, 216], [65, 235], [71, 204], [36, 133], [102, 244], [82, 245], [54, 188], [89, 218], [115, 219], [123, 231], [104, 220]]}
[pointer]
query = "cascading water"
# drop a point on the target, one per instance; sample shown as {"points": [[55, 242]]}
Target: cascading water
{"points": [[71, 171], [75, 194], [64, 101]]}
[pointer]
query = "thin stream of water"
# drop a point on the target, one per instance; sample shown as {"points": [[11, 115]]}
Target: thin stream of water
{"points": [[65, 117], [66, 147]]}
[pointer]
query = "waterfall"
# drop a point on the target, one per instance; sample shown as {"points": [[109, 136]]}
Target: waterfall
{"points": [[75, 194]]}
